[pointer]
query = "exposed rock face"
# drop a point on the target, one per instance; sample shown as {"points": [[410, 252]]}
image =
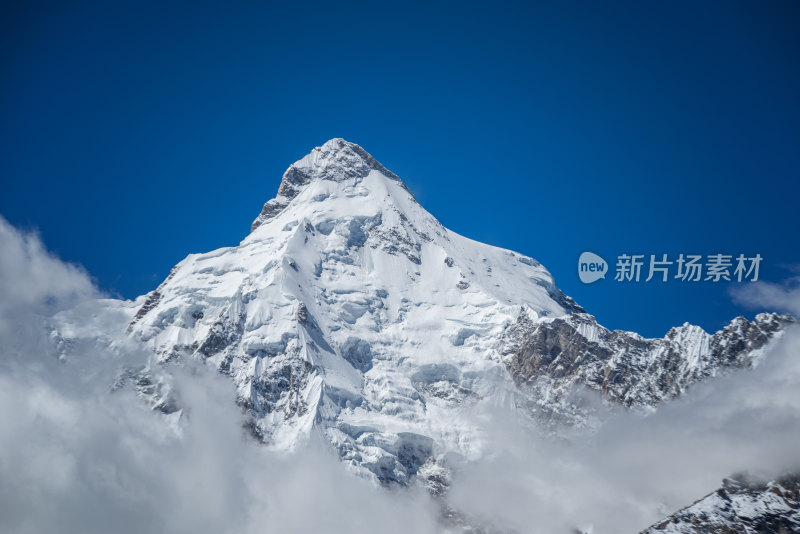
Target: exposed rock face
{"points": [[740, 507], [549, 358]]}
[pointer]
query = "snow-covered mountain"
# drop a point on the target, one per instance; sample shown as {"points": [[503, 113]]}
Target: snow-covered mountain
{"points": [[350, 318], [350, 315]]}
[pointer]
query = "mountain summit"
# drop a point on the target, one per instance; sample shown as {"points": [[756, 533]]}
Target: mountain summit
{"points": [[351, 316], [337, 160]]}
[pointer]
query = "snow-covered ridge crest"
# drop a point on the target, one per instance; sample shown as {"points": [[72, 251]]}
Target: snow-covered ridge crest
{"points": [[336, 160]]}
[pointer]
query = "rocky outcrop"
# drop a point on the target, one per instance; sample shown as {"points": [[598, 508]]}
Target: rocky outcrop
{"points": [[740, 506], [553, 359]]}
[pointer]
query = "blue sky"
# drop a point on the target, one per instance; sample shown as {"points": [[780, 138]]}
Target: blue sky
{"points": [[134, 134]]}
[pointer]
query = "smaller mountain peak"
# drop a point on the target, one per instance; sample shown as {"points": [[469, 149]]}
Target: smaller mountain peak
{"points": [[336, 160]]}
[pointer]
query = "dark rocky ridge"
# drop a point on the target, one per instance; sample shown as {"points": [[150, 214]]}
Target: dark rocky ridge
{"points": [[740, 506], [552, 359]]}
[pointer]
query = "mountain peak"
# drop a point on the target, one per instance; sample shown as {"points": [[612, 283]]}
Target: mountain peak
{"points": [[352, 316], [336, 160]]}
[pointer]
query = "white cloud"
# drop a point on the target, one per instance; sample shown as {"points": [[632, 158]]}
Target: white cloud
{"points": [[33, 279], [784, 297]]}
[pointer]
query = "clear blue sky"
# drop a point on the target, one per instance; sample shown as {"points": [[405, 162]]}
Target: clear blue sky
{"points": [[135, 133]]}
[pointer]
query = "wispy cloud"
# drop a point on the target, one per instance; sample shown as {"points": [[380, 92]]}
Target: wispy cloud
{"points": [[784, 297]]}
